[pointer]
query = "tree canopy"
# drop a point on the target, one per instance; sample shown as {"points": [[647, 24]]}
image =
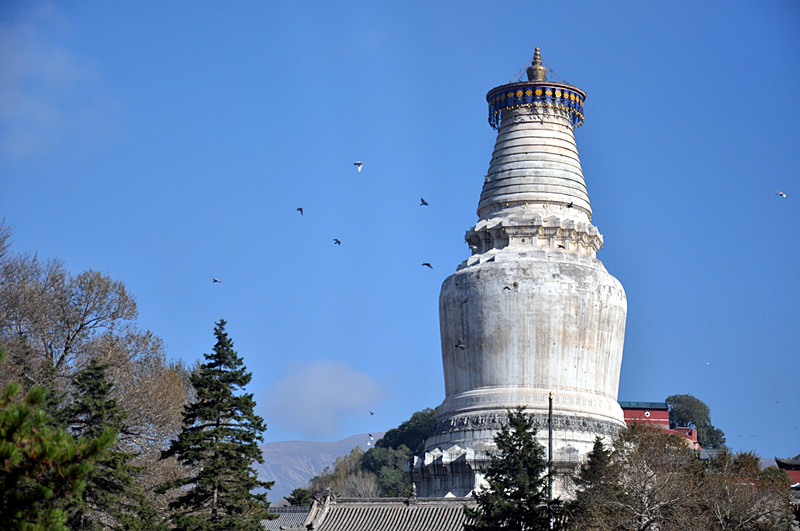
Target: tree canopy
{"points": [[219, 444], [379, 471], [688, 411], [517, 495], [650, 479], [41, 465], [53, 323]]}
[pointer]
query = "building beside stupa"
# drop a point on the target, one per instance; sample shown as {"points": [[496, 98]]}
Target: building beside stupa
{"points": [[532, 311]]}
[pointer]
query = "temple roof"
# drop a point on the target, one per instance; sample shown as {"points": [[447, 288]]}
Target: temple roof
{"points": [[386, 514], [787, 463], [643, 405], [288, 517]]}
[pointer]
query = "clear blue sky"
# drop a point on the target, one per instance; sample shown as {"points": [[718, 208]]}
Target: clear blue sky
{"points": [[166, 142]]}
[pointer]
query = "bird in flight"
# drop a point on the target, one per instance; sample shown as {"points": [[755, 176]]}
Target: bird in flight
{"points": [[570, 205], [560, 246], [300, 209], [215, 280], [371, 412], [460, 345], [780, 193], [358, 165], [422, 202], [337, 241], [426, 264], [506, 288]]}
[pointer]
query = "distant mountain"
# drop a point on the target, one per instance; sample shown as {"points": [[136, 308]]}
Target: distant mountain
{"points": [[291, 464]]}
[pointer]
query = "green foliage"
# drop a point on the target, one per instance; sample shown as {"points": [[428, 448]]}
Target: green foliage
{"points": [[590, 478], [411, 433], [39, 465], [517, 496], [219, 443], [347, 478], [299, 497], [387, 464], [379, 471], [111, 499], [397, 446], [688, 411]]}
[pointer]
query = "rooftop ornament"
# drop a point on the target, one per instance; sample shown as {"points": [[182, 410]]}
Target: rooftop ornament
{"points": [[536, 92]]}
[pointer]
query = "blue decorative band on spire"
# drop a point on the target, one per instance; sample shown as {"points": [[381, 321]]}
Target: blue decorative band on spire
{"points": [[527, 94]]}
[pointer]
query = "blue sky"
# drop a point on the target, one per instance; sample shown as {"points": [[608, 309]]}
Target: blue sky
{"points": [[166, 142]]}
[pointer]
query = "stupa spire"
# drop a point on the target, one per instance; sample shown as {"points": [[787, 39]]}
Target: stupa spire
{"points": [[537, 72]]}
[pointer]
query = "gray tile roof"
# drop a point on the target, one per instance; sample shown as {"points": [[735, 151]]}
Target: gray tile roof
{"points": [[386, 514], [287, 516]]}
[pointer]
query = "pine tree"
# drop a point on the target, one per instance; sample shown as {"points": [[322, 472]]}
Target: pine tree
{"points": [[39, 465], [516, 498], [592, 477], [219, 444], [111, 499]]}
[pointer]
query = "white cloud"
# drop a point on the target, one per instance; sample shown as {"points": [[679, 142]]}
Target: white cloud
{"points": [[314, 398], [49, 95]]}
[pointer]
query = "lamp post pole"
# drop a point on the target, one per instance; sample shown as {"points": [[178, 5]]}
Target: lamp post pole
{"points": [[550, 459]]}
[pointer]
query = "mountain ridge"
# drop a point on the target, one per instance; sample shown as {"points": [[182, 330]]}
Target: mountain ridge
{"points": [[292, 464]]}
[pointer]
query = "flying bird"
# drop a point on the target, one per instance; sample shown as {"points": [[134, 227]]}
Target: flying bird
{"points": [[506, 288], [561, 247], [371, 412], [215, 280], [570, 204], [780, 193], [300, 209], [337, 241], [358, 165], [460, 345], [426, 264], [422, 202]]}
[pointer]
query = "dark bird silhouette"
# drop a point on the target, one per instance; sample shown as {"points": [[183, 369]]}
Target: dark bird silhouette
{"points": [[460, 345], [300, 209], [215, 280], [337, 241], [780, 193], [422, 202], [561, 247], [570, 204], [358, 164], [426, 264], [506, 288], [371, 412]]}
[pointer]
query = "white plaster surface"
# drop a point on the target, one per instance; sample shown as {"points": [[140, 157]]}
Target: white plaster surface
{"points": [[531, 312]]}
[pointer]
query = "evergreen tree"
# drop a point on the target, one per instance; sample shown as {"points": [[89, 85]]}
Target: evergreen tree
{"points": [[299, 496], [592, 478], [517, 495], [39, 465], [219, 444], [686, 410], [111, 499]]}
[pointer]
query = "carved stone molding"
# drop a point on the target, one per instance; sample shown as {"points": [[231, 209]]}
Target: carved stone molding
{"points": [[496, 421]]}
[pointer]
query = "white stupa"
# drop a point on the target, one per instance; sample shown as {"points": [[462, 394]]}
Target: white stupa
{"points": [[532, 311]]}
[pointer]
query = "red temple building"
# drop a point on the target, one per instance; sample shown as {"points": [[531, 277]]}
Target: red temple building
{"points": [[792, 467], [657, 414]]}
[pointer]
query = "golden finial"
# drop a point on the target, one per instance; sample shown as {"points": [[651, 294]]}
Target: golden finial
{"points": [[537, 72]]}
